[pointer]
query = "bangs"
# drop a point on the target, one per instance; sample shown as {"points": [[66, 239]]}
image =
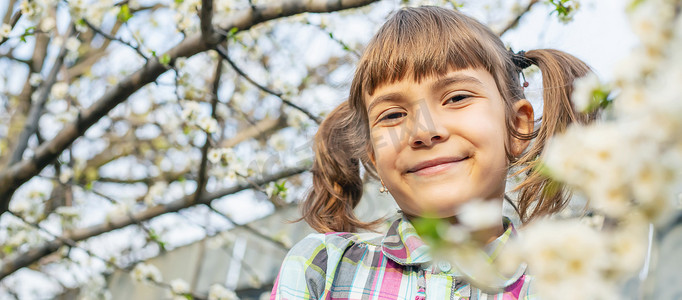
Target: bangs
{"points": [[427, 42]]}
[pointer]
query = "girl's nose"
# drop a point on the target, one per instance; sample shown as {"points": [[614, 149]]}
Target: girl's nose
{"points": [[425, 140], [427, 132]]}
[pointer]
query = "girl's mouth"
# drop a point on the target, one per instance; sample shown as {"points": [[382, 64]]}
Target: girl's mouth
{"points": [[435, 166]]}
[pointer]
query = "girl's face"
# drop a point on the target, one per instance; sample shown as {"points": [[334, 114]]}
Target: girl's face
{"points": [[441, 141]]}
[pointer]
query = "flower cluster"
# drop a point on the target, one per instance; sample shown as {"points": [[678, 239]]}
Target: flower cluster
{"points": [[219, 292], [632, 159], [179, 288], [143, 272], [628, 164], [227, 164], [193, 115]]}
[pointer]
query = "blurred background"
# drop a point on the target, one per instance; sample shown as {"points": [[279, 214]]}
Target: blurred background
{"points": [[129, 139]]}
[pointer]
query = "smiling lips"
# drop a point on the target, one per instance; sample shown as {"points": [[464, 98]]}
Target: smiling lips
{"points": [[434, 166]]}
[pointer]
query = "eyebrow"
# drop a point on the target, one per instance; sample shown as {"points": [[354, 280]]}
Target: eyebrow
{"points": [[383, 98], [457, 78]]}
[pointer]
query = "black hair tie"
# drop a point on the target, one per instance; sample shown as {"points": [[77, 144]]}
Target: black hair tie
{"points": [[520, 60]]}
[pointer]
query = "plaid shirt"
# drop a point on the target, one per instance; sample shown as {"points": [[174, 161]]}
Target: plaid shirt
{"points": [[341, 265]]}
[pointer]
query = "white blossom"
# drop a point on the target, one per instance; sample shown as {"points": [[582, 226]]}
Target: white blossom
{"points": [[219, 292], [72, 44], [180, 62], [583, 91], [278, 142], [47, 24], [146, 272], [191, 111], [21, 206], [5, 30], [179, 286], [60, 89], [65, 175], [296, 119], [208, 124], [155, 193], [479, 214], [214, 155], [563, 255], [27, 8], [121, 209], [68, 211], [78, 7], [95, 288], [35, 79], [650, 21]]}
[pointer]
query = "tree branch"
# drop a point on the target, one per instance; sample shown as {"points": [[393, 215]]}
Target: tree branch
{"points": [[206, 17], [250, 229], [36, 111], [13, 21], [15, 176], [21, 260], [113, 38], [518, 17], [223, 53], [23, 106], [203, 167]]}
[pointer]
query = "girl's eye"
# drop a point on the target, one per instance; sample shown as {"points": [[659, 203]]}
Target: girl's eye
{"points": [[393, 116], [456, 98]]}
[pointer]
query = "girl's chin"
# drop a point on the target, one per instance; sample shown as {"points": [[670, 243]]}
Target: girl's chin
{"points": [[435, 207]]}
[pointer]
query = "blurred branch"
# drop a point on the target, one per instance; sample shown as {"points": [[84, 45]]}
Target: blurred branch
{"points": [[20, 260], [250, 229], [23, 106], [203, 167], [262, 127], [341, 43], [8, 11], [15, 176], [167, 177], [65, 241], [11, 56], [113, 38], [206, 17], [31, 125], [13, 21], [223, 53], [515, 20], [86, 60]]}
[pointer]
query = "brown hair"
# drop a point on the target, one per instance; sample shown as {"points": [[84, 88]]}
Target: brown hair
{"points": [[430, 41]]}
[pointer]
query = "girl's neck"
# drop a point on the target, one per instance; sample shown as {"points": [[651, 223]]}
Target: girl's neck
{"points": [[482, 236]]}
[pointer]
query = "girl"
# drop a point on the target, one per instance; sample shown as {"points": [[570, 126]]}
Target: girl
{"points": [[436, 112]]}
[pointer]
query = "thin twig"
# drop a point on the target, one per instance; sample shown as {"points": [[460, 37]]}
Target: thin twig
{"points": [[203, 166], [335, 39], [113, 38], [249, 229], [14, 263], [65, 241], [15, 19], [37, 108], [223, 53], [518, 17], [206, 19], [132, 217]]}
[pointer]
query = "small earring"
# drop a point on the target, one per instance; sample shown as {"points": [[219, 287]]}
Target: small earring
{"points": [[383, 188]]}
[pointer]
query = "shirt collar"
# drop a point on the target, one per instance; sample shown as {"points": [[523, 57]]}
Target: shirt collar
{"points": [[402, 244]]}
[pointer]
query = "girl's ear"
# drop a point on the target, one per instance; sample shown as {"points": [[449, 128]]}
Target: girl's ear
{"points": [[524, 123]]}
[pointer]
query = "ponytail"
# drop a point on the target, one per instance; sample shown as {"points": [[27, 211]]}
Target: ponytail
{"points": [[538, 194], [337, 185]]}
